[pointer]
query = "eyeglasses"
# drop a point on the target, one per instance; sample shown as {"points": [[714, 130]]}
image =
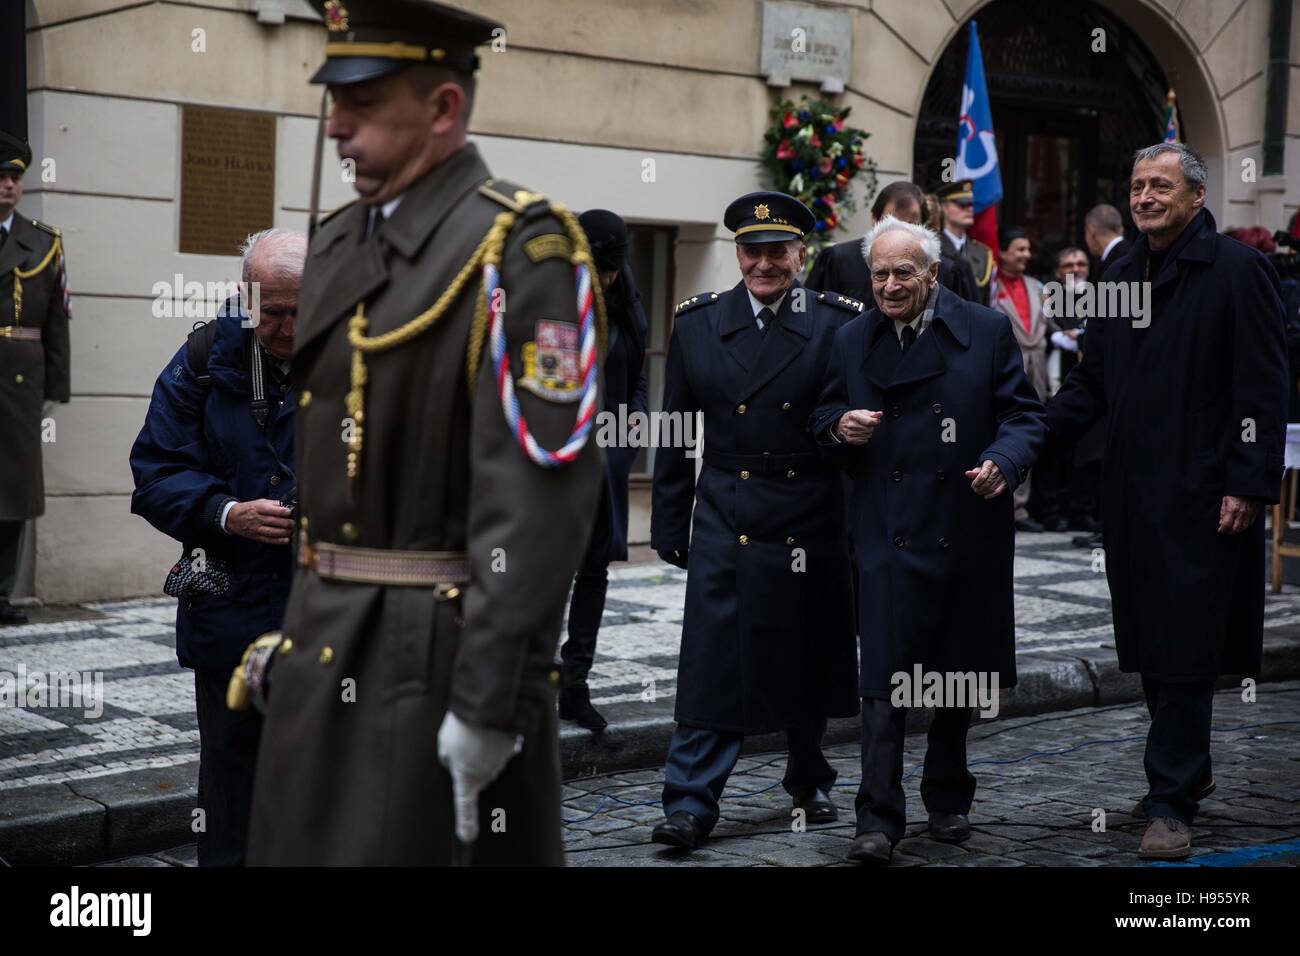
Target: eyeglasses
{"points": [[900, 274]]}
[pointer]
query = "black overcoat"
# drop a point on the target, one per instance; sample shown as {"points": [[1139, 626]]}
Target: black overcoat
{"points": [[767, 640], [1197, 407], [934, 558]]}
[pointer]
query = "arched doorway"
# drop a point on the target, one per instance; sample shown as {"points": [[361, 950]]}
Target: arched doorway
{"points": [[1067, 118]]}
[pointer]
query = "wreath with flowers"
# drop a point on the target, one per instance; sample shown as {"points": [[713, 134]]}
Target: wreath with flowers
{"points": [[813, 156]]}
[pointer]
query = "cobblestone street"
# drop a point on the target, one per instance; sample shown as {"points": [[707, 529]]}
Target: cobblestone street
{"points": [[1041, 782]]}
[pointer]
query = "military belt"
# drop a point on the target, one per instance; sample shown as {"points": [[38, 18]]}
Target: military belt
{"points": [[20, 332], [764, 463], [339, 562]]}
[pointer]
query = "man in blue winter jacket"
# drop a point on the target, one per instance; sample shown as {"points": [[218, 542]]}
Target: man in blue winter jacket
{"points": [[213, 468]]}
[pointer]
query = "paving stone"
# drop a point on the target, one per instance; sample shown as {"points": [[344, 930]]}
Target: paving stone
{"points": [[50, 825]]}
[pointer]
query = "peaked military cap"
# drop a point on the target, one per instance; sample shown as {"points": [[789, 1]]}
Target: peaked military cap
{"points": [[373, 38], [15, 154], [768, 217], [962, 191]]}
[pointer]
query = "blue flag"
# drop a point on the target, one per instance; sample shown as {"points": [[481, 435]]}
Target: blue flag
{"points": [[977, 151]]}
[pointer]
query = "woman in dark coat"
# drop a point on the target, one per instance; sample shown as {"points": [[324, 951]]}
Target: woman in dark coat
{"points": [[625, 384]]}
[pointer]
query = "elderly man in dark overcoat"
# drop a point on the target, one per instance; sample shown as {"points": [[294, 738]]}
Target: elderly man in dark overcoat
{"points": [[767, 640], [927, 405], [1193, 376]]}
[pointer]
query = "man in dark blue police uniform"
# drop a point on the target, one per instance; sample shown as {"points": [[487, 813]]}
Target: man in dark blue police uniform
{"points": [[767, 641]]}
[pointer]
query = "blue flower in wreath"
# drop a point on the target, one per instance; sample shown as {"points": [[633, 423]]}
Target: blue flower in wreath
{"points": [[841, 163], [830, 130], [804, 116], [821, 225]]}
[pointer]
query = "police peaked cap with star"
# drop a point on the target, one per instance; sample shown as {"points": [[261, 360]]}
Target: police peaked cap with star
{"points": [[768, 217]]}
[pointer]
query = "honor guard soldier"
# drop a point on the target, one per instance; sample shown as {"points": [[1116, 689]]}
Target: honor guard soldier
{"points": [[34, 360], [958, 204], [446, 350], [768, 638]]}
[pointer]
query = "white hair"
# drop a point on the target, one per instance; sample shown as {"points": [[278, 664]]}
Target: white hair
{"points": [[925, 238], [278, 252]]}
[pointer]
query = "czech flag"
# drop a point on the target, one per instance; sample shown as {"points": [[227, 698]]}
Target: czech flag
{"points": [[977, 150]]}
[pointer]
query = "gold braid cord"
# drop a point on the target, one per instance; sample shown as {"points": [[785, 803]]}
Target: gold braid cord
{"points": [[489, 251], [19, 275]]}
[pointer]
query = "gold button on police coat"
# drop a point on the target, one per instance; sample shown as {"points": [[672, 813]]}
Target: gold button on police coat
{"points": [[553, 678], [744, 474], [349, 531], [19, 380], [789, 540], [790, 473], [286, 645], [326, 655], [785, 407], [304, 399], [275, 479], [744, 539], [741, 408]]}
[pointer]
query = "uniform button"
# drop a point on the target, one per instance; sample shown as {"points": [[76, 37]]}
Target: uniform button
{"points": [[304, 399], [895, 411], [326, 655], [937, 408], [785, 407], [740, 409], [790, 473], [302, 523], [744, 474], [898, 541], [18, 379], [286, 645], [553, 678], [941, 475], [943, 543], [897, 476], [349, 531], [744, 539], [789, 540], [275, 479]]}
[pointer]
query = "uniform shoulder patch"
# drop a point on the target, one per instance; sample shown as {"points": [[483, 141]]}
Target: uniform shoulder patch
{"points": [[844, 302], [552, 366], [694, 302], [549, 246], [45, 227]]}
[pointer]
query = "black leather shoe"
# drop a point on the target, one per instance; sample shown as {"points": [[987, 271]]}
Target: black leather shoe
{"points": [[682, 829], [1085, 523], [1028, 525], [575, 704], [949, 827], [873, 849], [10, 615], [1088, 541], [817, 807]]}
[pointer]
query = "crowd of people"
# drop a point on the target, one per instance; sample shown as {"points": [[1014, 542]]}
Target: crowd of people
{"points": [[383, 485]]}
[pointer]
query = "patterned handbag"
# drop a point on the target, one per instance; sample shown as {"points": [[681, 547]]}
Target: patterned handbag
{"points": [[200, 574]]}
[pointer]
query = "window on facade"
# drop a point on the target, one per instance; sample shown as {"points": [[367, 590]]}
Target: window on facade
{"points": [[651, 256]]}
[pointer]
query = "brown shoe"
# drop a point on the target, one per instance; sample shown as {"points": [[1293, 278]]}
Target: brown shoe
{"points": [[1166, 839], [949, 827], [873, 849], [1203, 791]]}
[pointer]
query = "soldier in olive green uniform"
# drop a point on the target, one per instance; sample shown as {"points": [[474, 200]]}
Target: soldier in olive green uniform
{"points": [[958, 201], [435, 549], [34, 358]]}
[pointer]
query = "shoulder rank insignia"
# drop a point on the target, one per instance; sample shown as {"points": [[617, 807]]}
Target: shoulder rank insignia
{"points": [[694, 302], [52, 230], [840, 301], [551, 366]]}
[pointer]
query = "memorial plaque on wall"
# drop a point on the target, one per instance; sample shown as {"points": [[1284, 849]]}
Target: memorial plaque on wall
{"points": [[227, 177], [805, 43]]}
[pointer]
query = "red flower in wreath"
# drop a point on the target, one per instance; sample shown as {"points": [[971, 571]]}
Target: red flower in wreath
{"points": [[785, 150], [791, 121]]}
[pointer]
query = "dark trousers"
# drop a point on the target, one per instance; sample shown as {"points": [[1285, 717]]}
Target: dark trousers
{"points": [[11, 538], [700, 761], [946, 785], [586, 607], [227, 754], [1177, 758]]}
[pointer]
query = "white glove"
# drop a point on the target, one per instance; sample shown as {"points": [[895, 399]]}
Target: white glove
{"points": [[475, 756]]}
